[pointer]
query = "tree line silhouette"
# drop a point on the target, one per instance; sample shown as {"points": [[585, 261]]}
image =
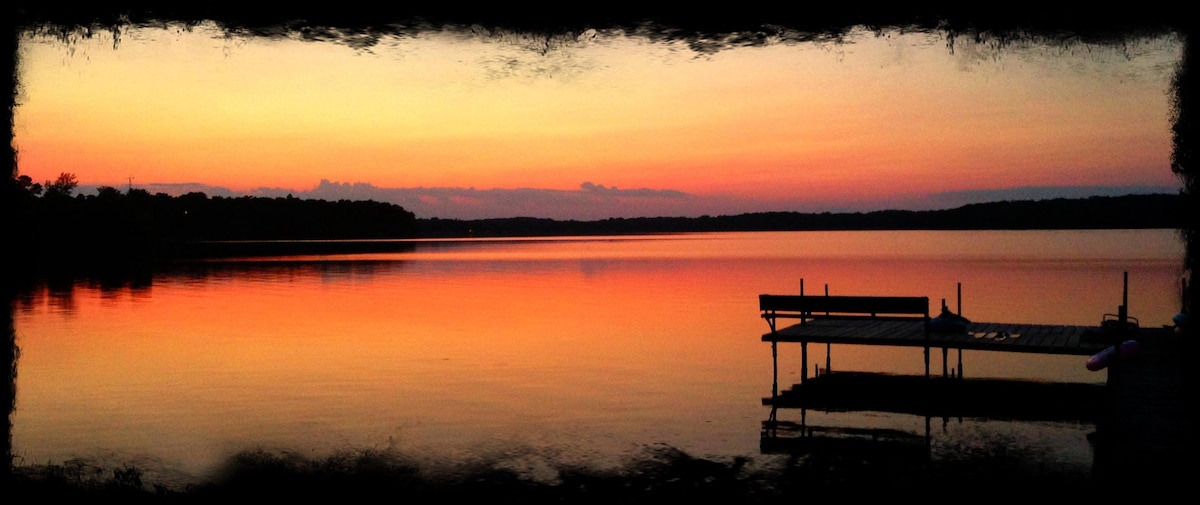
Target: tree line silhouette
{"points": [[133, 226], [59, 229], [1118, 212]]}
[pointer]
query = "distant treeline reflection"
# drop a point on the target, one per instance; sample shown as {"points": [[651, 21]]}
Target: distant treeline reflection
{"points": [[56, 229]]}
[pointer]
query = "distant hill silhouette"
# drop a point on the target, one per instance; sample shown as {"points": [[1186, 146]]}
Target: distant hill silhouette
{"points": [[58, 232], [1120, 212]]}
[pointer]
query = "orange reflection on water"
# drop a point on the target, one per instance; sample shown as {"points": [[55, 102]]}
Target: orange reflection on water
{"points": [[604, 343]]}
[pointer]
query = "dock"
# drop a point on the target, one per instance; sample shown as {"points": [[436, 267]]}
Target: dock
{"points": [[1142, 412]]}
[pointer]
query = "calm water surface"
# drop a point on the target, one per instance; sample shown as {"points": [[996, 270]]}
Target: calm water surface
{"points": [[582, 349]]}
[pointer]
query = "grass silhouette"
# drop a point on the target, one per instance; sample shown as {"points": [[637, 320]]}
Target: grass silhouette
{"points": [[660, 474]]}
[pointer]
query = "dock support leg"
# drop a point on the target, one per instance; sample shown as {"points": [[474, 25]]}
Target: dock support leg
{"points": [[945, 364], [774, 371], [960, 374], [803, 362], [926, 362]]}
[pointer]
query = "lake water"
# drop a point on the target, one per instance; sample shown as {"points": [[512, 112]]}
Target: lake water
{"points": [[580, 349]]}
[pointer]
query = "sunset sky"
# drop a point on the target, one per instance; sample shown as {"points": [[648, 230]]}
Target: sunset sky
{"points": [[484, 124]]}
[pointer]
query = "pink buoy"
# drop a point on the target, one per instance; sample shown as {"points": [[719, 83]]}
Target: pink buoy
{"points": [[1099, 361]]}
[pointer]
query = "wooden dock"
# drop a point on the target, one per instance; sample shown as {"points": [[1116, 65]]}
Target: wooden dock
{"points": [[1143, 413], [1145, 427]]}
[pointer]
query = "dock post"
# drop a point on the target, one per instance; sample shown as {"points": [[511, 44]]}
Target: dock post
{"points": [[828, 346], [1119, 336], [1122, 325], [960, 372], [1114, 366], [803, 361], [774, 371], [945, 362]]}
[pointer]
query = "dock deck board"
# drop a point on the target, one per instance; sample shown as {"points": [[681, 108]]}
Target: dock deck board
{"points": [[983, 336]]}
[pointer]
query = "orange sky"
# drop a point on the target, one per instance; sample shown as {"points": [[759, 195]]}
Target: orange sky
{"points": [[870, 122]]}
